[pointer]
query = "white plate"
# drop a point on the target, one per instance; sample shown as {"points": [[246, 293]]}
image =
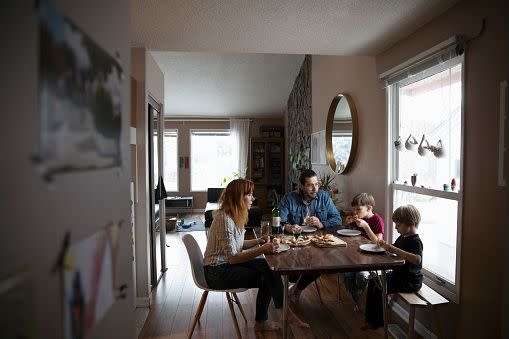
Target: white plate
{"points": [[348, 232], [282, 248], [308, 229], [371, 248]]}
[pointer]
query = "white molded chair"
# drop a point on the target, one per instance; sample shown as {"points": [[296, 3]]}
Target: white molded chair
{"points": [[196, 260]]}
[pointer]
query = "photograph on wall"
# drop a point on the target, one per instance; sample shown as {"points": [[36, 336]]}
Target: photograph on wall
{"points": [[318, 150], [80, 101], [89, 275]]}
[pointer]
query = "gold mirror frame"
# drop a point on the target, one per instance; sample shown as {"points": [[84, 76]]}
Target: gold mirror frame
{"points": [[328, 132]]}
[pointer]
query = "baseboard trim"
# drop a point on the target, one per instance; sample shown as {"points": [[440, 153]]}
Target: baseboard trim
{"points": [[422, 330], [143, 302]]}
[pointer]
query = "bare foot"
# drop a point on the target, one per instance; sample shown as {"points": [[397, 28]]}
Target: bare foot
{"points": [[267, 325]]}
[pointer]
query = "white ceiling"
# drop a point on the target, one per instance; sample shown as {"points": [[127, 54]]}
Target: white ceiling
{"points": [[204, 84], [224, 82]]}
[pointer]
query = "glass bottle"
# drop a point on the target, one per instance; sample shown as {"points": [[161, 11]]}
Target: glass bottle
{"points": [[276, 220]]}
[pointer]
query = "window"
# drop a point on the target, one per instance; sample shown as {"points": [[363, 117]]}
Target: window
{"points": [[170, 160], [341, 145], [428, 105], [211, 158]]}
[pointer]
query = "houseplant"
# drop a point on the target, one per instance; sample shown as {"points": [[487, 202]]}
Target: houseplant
{"points": [[327, 183]]}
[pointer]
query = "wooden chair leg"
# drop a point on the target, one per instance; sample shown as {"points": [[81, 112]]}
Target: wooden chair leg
{"points": [[234, 317], [318, 290], [339, 288], [437, 322], [239, 305], [411, 320], [199, 311]]}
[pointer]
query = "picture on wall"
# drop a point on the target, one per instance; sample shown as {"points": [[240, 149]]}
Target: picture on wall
{"points": [[90, 284], [318, 151], [80, 101]]}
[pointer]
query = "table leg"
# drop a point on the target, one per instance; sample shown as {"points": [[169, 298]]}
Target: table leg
{"points": [[383, 282], [285, 306]]}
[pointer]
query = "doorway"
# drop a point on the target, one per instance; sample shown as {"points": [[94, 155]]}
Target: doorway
{"points": [[157, 207]]}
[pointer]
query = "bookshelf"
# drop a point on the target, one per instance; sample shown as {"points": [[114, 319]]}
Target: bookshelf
{"points": [[266, 170]]}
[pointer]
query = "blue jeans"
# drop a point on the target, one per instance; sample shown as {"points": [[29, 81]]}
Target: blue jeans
{"points": [[356, 282]]}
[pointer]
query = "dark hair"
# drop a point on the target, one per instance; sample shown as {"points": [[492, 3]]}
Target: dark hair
{"points": [[307, 173], [408, 215], [363, 199]]}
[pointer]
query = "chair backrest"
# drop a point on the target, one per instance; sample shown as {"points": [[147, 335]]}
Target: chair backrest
{"points": [[196, 260], [213, 194]]}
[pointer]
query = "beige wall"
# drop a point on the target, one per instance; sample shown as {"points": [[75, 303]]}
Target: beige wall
{"points": [[487, 64], [149, 81], [36, 215], [155, 79], [356, 76]]}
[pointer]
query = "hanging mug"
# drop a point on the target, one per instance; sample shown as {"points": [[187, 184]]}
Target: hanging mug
{"points": [[398, 145], [423, 150], [411, 143], [438, 150]]}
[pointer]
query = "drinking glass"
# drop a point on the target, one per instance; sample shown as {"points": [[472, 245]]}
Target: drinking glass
{"points": [[265, 227], [296, 232]]}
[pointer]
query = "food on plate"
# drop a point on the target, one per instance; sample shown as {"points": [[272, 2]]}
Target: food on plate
{"points": [[276, 241], [324, 238], [301, 241]]}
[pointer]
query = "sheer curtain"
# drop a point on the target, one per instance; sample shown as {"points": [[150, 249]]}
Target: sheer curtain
{"points": [[239, 132]]}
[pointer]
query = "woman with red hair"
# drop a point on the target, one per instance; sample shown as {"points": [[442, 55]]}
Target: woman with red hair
{"points": [[231, 262]]}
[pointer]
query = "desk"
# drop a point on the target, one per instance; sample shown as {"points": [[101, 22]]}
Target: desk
{"points": [[312, 259], [178, 203]]}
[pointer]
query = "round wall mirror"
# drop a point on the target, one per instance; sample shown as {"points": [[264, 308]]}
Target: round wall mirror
{"points": [[341, 133]]}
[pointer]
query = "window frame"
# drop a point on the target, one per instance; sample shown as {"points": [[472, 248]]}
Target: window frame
{"points": [[452, 291], [207, 130], [176, 131]]}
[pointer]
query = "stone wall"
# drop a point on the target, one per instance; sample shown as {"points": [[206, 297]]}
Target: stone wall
{"points": [[299, 123]]}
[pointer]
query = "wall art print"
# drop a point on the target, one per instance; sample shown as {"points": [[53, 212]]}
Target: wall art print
{"points": [[80, 101], [90, 284]]}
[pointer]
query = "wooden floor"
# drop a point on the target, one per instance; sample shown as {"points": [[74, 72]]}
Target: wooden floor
{"points": [[176, 298]]}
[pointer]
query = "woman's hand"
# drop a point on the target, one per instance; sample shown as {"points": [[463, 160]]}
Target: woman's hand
{"points": [[263, 239], [269, 247]]}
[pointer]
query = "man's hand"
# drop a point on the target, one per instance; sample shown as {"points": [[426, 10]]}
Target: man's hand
{"points": [[289, 228], [315, 222]]}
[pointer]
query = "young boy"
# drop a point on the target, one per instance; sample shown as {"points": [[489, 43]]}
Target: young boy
{"points": [[406, 278], [371, 226]]}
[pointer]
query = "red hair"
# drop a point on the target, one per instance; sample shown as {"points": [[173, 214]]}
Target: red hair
{"points": [[232, 200]]}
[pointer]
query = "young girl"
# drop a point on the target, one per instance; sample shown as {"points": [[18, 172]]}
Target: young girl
{"points": [[406, 278], [231, 262]]}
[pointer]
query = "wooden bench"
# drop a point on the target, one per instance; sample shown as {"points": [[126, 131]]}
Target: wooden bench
{"points": [[426, 297]]}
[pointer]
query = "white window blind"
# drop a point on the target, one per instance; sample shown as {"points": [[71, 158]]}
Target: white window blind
{"points": [[424, 62]]}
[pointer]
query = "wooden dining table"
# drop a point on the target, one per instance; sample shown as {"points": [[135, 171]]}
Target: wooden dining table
{"points": [[325, 260]]}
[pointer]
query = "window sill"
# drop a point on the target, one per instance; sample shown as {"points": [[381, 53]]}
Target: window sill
{"points": [[444, 290], [426, 191]]}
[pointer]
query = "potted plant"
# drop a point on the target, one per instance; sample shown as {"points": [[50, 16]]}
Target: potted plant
{"points": [[326, 182]]}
